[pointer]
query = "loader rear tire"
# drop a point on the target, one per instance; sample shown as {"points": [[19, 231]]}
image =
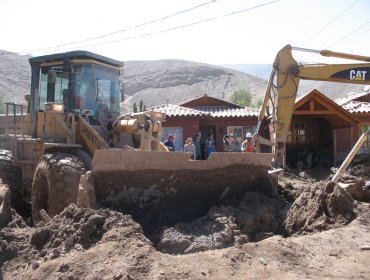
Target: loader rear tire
{"points": [[55, 183], [9, 173]]}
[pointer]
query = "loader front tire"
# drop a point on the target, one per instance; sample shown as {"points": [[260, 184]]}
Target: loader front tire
{"points": [[55, 183]]}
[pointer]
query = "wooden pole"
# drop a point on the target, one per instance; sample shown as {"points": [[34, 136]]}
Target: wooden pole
{"points": [[350, 157]]}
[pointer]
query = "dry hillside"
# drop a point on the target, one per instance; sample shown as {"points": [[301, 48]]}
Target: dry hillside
{"points": [[161, 81]]}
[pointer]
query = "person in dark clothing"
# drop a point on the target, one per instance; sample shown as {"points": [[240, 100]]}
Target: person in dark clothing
{"points": [[197, 146], [169, 143], [226, 144]]}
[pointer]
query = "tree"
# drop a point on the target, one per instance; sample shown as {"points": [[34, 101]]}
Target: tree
{"points": [[242, 97], [140, 108]]}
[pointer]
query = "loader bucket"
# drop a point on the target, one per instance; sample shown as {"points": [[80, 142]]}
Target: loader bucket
{"points": [[162, 188]]}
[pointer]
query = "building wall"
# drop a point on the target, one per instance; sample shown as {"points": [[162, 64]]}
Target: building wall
{"points": [[192, 126]]}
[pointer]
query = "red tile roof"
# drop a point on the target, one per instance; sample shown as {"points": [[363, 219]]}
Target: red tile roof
{"points": [[178, 111], [357, 107], [350, 96], [212, 111], [227, 112]]}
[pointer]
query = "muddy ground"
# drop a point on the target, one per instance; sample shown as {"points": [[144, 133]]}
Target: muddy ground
{"points": [[311, 230]]}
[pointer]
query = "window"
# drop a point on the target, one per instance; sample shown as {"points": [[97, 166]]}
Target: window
{"points": [[97, 90], [299, 133], [240, 131], [60, 91], [177, 131]]}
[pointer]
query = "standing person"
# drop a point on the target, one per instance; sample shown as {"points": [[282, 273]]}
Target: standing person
{"points": [[196, 143], [190, 148], [247, 144], [210, 145], [170, 142], [226, 144], [235, 145]]}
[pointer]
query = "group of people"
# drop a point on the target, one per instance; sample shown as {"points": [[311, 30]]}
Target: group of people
{"points": [[234, 145], [192, 145]]}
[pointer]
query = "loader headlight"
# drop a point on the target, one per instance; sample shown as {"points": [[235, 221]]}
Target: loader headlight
{"points": [[54, 107]]}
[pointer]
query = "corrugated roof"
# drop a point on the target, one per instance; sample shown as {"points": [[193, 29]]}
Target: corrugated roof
{"points": [[357, 107]]}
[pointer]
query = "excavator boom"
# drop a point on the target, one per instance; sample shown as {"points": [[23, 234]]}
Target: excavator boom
{"points": [[283, 85]]}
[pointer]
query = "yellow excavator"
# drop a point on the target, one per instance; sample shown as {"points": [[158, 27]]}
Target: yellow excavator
{"points": [[282, 90], [75, 147]]}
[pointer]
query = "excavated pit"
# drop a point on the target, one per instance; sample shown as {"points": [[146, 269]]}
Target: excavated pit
{"points": [[184, 225], [180, 196]]}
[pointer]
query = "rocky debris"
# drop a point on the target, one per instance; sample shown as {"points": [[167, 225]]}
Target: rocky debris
{"points": [[81, 226], [74, 229], [322, 206], [361, 171], [254, 218], [358, 189]]}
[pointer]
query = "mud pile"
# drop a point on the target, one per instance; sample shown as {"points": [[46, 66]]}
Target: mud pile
{"points": [[360, 171], [322, 206], [75, 229], [253, 218]]}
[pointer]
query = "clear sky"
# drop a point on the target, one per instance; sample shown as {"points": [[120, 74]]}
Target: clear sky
{"points": [[214, 32]]}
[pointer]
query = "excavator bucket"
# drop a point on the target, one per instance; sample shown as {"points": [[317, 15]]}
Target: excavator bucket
{"points": [[159, 188]]}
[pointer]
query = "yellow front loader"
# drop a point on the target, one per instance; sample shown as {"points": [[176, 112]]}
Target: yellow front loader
{"points": [[77, 148]]}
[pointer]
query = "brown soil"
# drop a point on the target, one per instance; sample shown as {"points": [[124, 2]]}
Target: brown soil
{"points": [[309, 231]]}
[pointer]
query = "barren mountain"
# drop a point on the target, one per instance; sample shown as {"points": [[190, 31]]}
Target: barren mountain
{"points": [[166, 81], [15, 77], [173, 81], [330, 89]]}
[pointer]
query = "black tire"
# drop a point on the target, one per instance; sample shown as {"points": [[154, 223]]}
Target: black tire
{"points": [[55, 183], [9, 173]]}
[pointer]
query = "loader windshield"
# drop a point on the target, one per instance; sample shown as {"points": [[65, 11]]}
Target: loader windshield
{"points": [[97, 91], [57, 91]]}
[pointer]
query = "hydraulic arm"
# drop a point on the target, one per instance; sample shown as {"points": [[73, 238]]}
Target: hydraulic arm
{"points": [[283, 85]]}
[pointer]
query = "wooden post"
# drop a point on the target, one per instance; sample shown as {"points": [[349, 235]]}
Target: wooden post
{"points": [[350, 157]]}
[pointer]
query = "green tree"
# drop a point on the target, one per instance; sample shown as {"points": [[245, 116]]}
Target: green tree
{"points": [[259, 103], [242, 97], [134, 108], [141, 106]]}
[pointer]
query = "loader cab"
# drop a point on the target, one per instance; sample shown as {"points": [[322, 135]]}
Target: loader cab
{"points": [[76, 82]]}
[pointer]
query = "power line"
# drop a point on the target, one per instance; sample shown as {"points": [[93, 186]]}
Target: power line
{"points": [[342, 38], [330, 23], [347, 35], [127, 29], [181, 26]]}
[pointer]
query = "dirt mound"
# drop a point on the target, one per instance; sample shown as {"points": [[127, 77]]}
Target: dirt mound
{"points": [[81, 226], [74, 229], [254, 218], [360, 170], [322, 206]]}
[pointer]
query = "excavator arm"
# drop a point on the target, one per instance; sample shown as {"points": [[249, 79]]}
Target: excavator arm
{"points": [[283, 85]]}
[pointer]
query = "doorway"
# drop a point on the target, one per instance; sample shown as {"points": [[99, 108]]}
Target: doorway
{"points": [[205, 131]]}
